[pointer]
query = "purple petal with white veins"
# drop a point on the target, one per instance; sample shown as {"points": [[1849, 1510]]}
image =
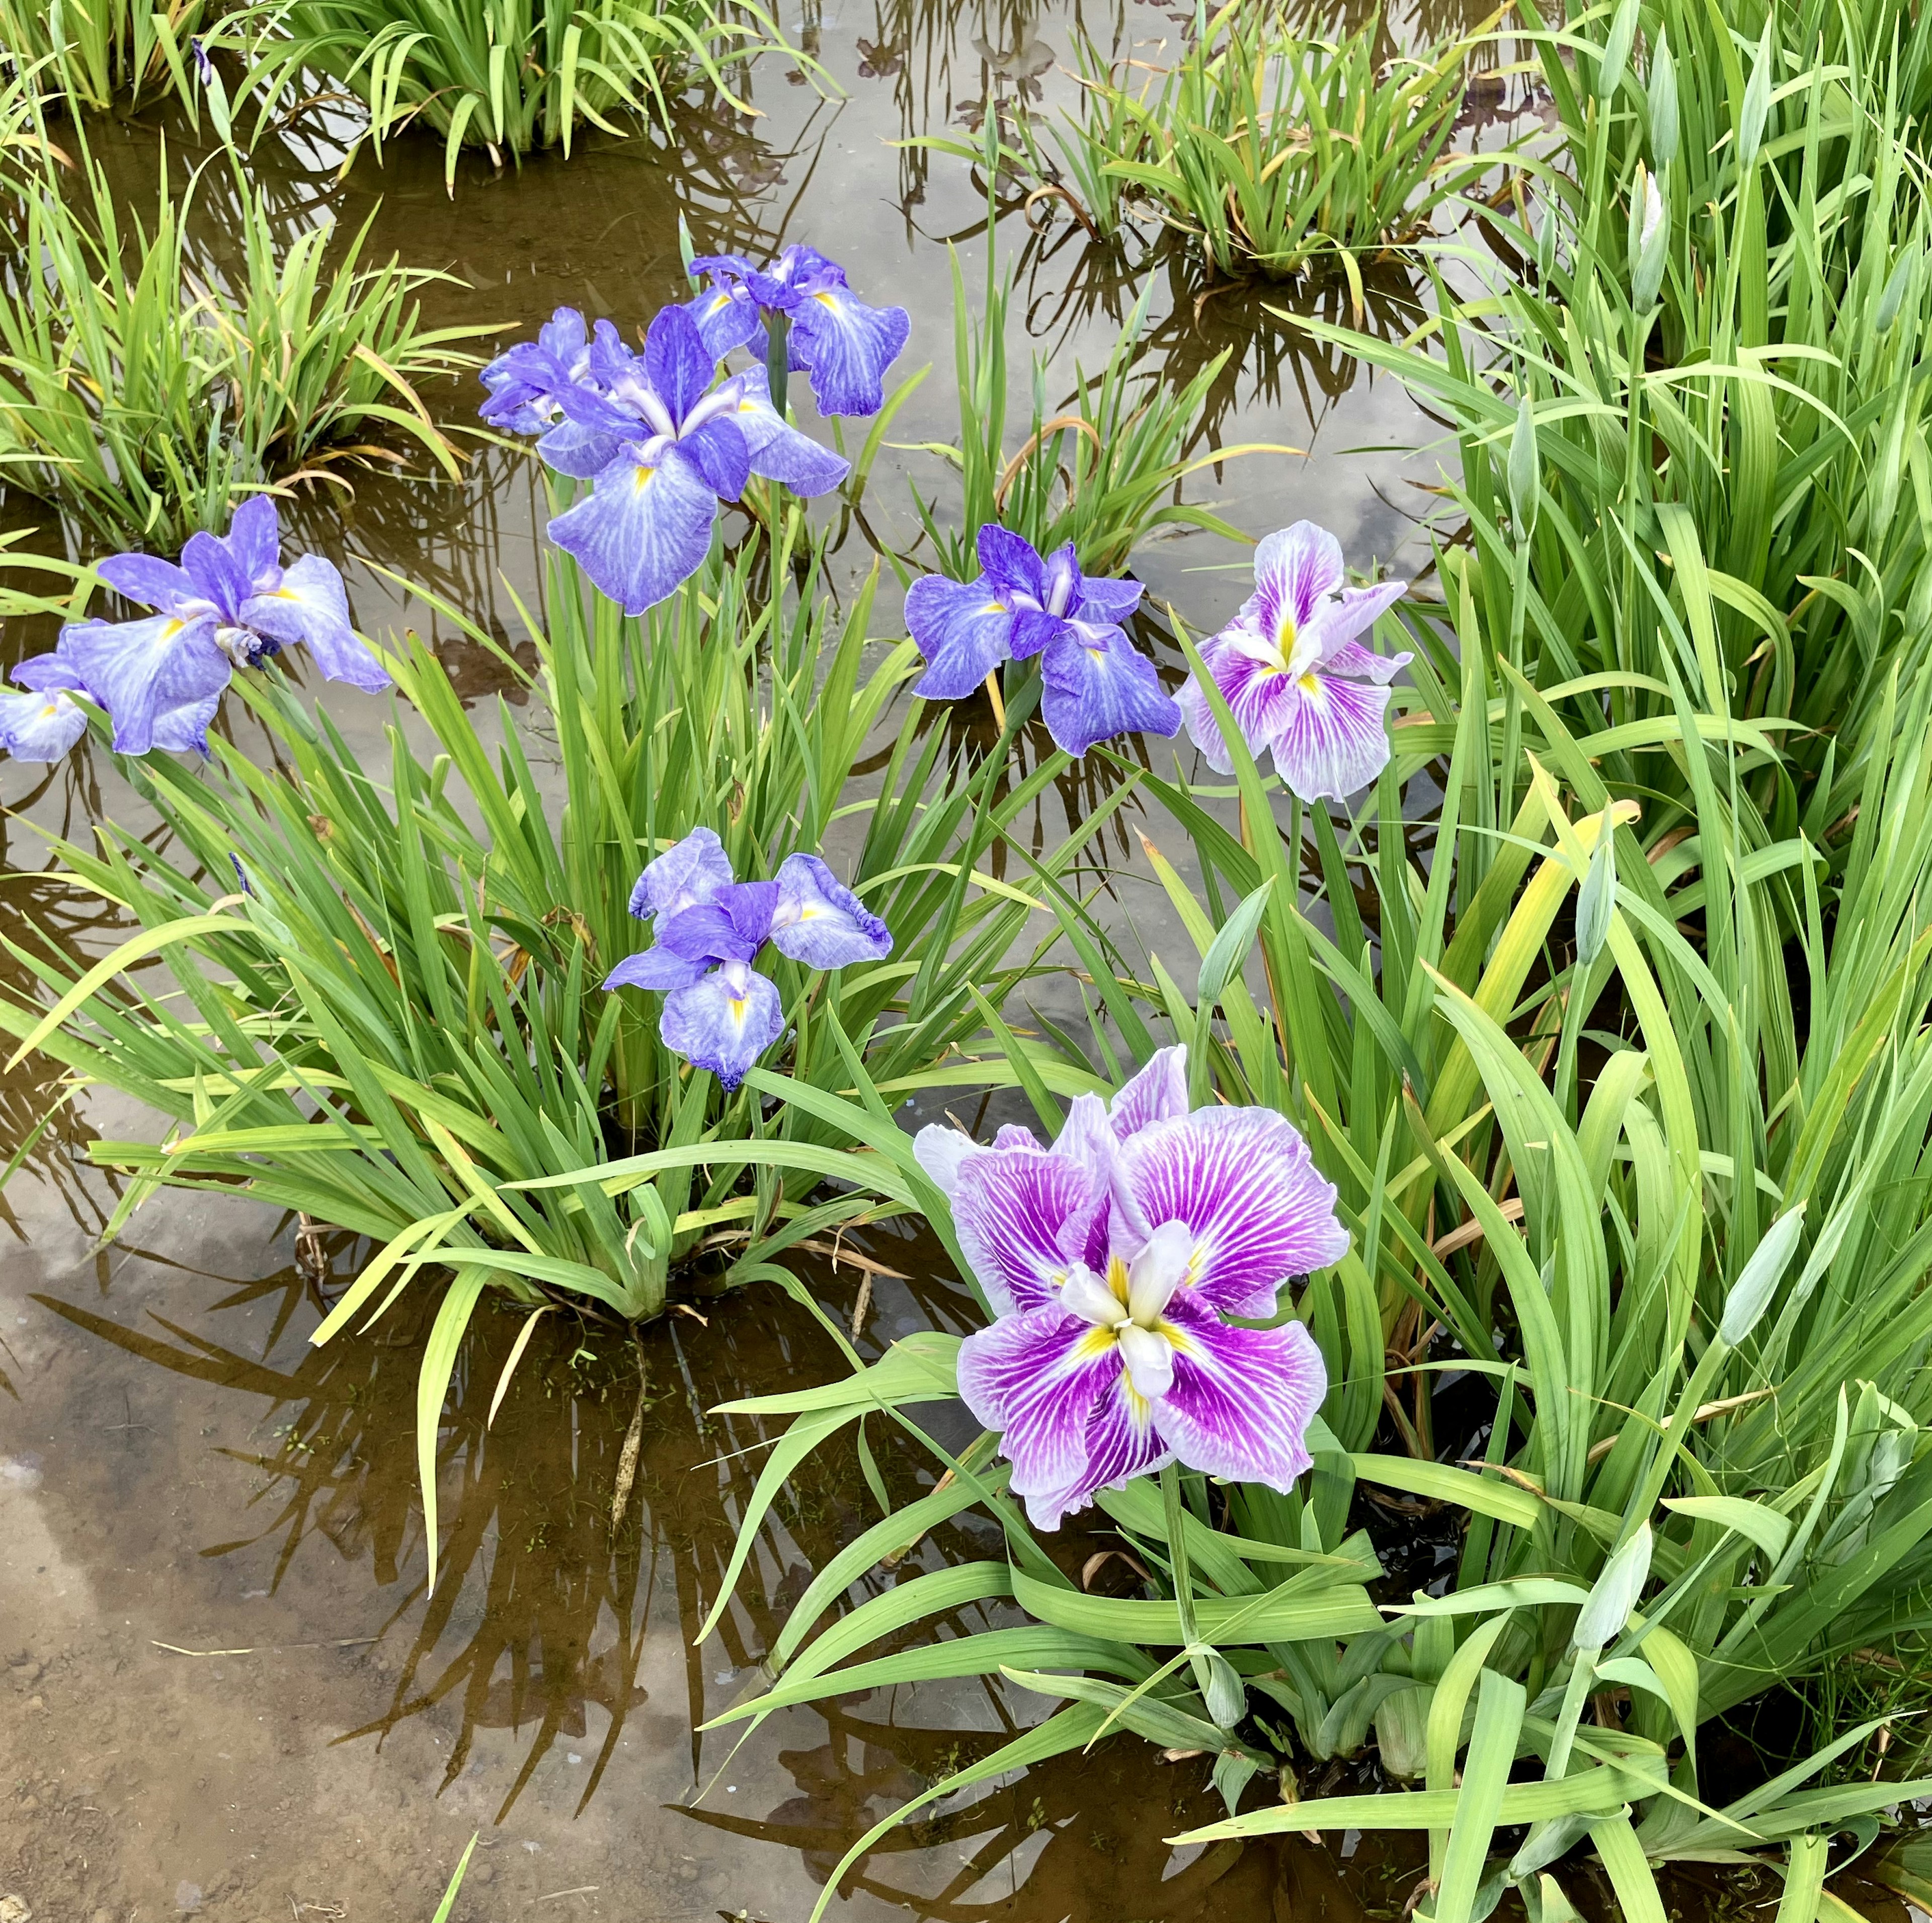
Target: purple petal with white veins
{"points": [[655, 968], [1293, 569], [310, 606], [1335, 741], [819, 921], [724, 1022], [148, 581], [718, 451], [1015, 1134], [40, 724], [779, 452], [1088, 1138], [677, 364], [1020, 1214], [751, 905], [1051, 1385], [643, 532], [254, 538], [140, 671], [1261, 698], [1342, 617], [688, 872], [1356, 663], [961, 627], [1098, 686], [181, 727], [1241, 1399], [1009, 561], [845, 347], [42, 672], [564, 336], [1243, 1181], [1158, 1093]]}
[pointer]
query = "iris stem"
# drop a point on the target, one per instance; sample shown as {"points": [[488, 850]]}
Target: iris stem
{"points": [[777, 361], [999, 704]]}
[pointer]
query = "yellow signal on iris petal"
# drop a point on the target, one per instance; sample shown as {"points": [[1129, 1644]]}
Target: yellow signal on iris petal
{"points": [[1310, 683], [1117, 1278], [1094, 1344]]}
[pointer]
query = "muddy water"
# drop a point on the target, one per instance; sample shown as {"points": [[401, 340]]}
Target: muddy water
{"points": [[225, 1686]]}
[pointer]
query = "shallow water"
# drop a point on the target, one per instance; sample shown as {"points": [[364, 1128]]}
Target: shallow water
{"points": [[227, 1689]]}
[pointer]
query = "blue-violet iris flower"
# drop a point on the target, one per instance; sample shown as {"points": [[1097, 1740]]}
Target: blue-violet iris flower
{"points": [[1294, 674], [1111, 1260], [229, 603], [845, 345], [662, 445], [719, 1011], [1095, 683]]}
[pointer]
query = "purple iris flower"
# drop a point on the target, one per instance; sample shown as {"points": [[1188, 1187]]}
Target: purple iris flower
{"points": [[662, 445], [228, 604], [719, 1011], [1296, 677], [1111, 1260], [1097, 684], [43, 721], [845, 345]]}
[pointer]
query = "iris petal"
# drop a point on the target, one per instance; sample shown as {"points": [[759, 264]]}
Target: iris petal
{"points": [[656, 968], [779, 451], [254, 538], [1243, 1181], [962, 629], [1052, 1384], [688, 872], [1158, 1093], [1293, 569], [1241, 1399], [1335, 742], [147, 580], [724, 1022], [309, 606], [1022, 1215], [142, 672], [819, 921], [40, 724], [846, 347], [642, 532], [677, 364], [1098, 686]]}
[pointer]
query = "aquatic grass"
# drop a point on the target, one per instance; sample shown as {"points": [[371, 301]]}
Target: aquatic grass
{"points": [[1274, 150], [1678, 1298], [143, 397], [86, 52], [1756, 413], [1102, 469], [509, 76]]}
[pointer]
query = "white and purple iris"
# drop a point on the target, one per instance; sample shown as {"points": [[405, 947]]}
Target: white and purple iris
{"points": [[719, 1012], [1111, 1260], [1297, 678], [662, 445], [1095, 683], [229, 603], [833, 336]]}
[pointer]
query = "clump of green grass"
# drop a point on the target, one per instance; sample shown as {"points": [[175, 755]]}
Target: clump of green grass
{"points": [[141, 396], [88, 51], [1273, 148], [509, 76]]}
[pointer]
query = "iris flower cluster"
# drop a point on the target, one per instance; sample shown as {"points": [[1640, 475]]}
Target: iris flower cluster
{"points": [[1111, 1261], [1096, 684], [708, 928], [661, 439], [227, 604]]}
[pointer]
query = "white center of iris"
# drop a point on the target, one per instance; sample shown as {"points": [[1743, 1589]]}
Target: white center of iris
{"points": [[1294, 650], [738, 986], [1127, 1306]]}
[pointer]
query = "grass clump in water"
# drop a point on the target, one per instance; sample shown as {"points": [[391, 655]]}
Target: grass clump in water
{"points": [[142, 390], [509, 76], [1274, 150], [88, 51]]}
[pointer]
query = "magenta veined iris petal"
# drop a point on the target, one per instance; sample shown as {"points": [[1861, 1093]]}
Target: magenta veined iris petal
{"points": [[1112, 1261], [1293, 670]]}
